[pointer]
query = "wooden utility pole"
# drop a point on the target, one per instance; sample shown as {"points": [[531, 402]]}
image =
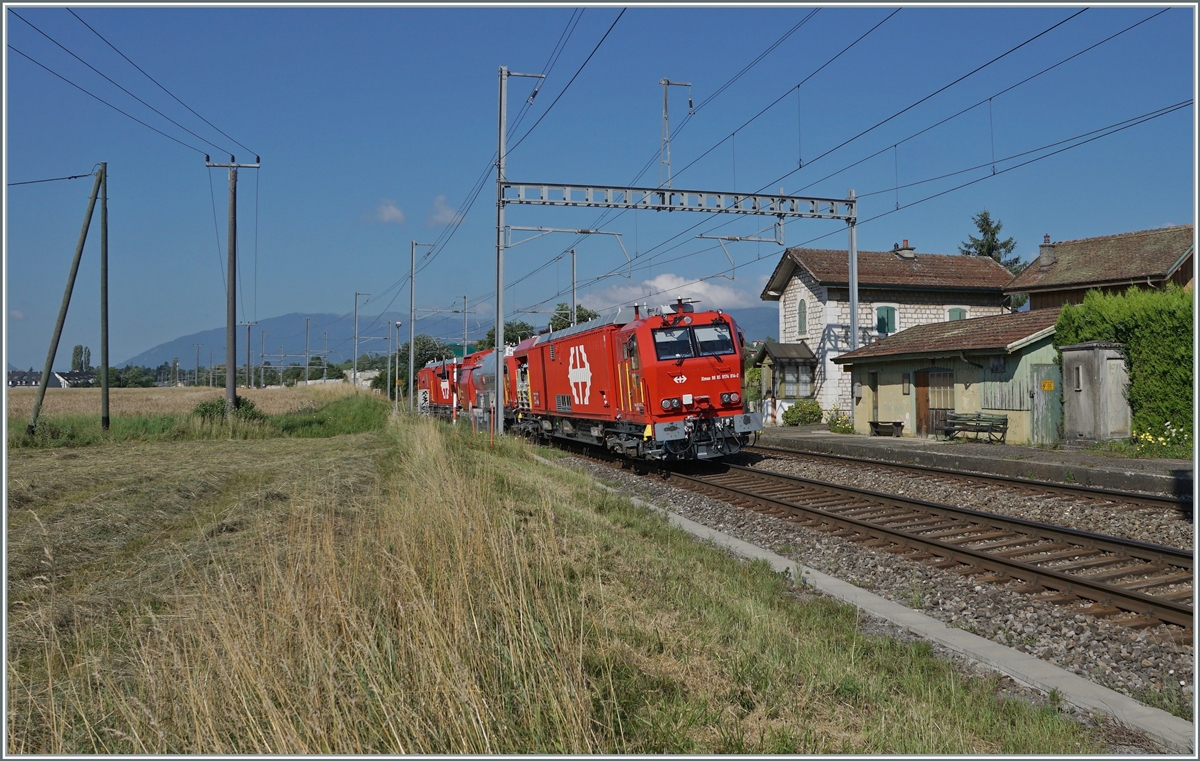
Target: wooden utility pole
{"points": [[231, 287], [66, 302], [104, 295]]}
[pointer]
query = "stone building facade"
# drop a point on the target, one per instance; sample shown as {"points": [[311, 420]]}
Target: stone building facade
{"points": [[897, 290]]}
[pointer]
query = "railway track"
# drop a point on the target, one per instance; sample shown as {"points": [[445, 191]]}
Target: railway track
{"points": [[1131, 500], [1128, 582]]}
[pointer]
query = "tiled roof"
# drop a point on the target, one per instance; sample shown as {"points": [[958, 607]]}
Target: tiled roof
{"points": [[995, 333], [797, 351], [1153, 254], [884, 269]]}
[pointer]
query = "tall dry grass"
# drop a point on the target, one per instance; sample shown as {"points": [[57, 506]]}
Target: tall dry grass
{"points": [[162, 401], [416, 619]]}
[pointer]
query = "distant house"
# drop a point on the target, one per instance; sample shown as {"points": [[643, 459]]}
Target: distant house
{"points": [[17, 378], [897, 289], [999, 364], [1066, 270]]}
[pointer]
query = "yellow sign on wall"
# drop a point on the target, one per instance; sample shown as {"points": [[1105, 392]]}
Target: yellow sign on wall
{"points": [[1047, 385]]}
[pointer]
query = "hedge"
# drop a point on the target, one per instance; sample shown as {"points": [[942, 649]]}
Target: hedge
{"points": [[1156, 328]]}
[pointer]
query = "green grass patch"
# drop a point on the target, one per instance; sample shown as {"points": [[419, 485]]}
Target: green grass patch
{"points": [[357, 413]]}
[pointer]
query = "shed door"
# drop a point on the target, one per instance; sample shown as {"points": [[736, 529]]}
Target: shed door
{"points": [[1047, 404], [941, 397], [922, 384]]}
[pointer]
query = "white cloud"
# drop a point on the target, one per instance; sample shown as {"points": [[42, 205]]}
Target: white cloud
{"points": [[388, 211], [441, 213], [16, 314], [712, 293]]}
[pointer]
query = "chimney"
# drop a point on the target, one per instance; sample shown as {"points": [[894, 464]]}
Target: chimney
{"points": [[1046, 253], [905, 251]]}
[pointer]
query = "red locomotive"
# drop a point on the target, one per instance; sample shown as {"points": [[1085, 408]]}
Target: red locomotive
{"points": [[448, 387], [665, 385]]}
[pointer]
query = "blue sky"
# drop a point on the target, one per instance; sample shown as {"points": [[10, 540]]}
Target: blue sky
{"points": [[373, 125]]}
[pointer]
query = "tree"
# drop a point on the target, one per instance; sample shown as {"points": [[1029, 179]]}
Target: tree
{"points": [[562, 317], [86, 362], [514, 333], [989, 243], [77, 358]]}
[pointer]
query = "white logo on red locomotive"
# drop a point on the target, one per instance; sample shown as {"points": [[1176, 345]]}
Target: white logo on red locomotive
{"points": [[445, 388], [579, 373], [680, 379]]}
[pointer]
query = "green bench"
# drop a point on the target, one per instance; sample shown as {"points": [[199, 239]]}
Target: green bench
{"points": [[980, 424]]}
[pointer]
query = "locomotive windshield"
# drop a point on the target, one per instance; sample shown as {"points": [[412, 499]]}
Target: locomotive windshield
{"points": [[700, 341], [673, 343], [714, 339]]}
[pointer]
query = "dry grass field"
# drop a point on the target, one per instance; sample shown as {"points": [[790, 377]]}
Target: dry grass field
{"points": [[160, 401], [415, 589]]}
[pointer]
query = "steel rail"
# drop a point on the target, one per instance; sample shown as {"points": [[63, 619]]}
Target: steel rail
{"points": [[1089, 492], [1033, 575]]}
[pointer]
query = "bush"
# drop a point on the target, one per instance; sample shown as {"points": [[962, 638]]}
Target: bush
{"points": [[214, 409], [1156, 328], [839, 422], [803, 412]]}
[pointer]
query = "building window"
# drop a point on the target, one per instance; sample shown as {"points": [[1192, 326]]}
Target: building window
{"points": [[885, 320], [802, 319], [905, 381], [941, 390], [1079, 377], [957, 313], [797, 381]]}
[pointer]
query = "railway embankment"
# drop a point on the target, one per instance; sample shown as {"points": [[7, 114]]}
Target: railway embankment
{"points": [[413, 588], [1067, 466], [1155, 671]]}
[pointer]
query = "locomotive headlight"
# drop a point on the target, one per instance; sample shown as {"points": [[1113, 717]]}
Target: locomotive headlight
{"points": [[725, 398], [734, 398], [675, 403], [666, 404]]}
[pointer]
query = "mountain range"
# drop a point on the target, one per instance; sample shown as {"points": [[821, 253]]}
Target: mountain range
{"points": [[286, 334]]}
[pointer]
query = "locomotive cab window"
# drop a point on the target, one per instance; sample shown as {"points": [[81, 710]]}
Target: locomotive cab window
{"points": [[673, 343], [714, 340]]}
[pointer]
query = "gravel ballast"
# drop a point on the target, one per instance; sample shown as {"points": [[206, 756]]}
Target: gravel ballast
{"points": [[1153, 525], [1129, 661]]}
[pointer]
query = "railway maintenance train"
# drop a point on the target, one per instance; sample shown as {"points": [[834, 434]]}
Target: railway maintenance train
{"points": [[663, 385]]}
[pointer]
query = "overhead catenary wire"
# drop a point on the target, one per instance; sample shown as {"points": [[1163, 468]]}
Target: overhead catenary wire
{"points": [[566, 87], [600, 220], [105, 102], [155, 81], [116, 84], [1075, 142], [650, 250]]}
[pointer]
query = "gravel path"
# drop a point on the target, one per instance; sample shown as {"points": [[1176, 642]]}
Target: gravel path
{"points": [[1123, 659], [1154, 525]]}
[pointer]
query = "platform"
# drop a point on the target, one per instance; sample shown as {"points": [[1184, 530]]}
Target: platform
{"points": [[1068, 466]]}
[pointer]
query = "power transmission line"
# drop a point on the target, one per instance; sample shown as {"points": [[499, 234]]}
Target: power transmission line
{"points": [[155, 81], [105, 102], [52, 179], [110, 80]]}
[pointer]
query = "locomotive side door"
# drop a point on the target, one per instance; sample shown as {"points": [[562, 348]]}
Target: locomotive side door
{"points": [[630, 371]]}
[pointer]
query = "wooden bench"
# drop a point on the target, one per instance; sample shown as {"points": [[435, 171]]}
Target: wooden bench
{"points": [[995, 427], [887, 428]]}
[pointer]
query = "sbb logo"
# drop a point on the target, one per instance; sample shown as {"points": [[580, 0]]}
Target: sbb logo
{"points": [[579, 373], [680, 379]]}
